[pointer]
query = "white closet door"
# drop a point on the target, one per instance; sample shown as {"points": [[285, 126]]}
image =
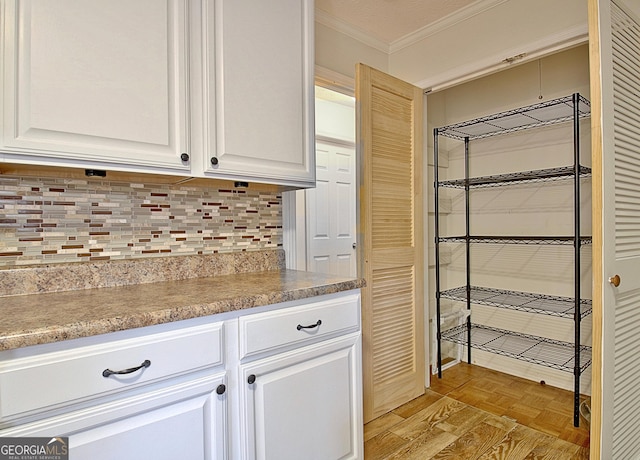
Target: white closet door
{"points": [[615, 81], [331, 211]]}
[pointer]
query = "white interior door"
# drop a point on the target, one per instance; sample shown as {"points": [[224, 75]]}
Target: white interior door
{"points": [[615, 93], [331, 211]]}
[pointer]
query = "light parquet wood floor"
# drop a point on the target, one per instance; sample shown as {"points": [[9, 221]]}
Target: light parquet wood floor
{"points": [[478, 413]]}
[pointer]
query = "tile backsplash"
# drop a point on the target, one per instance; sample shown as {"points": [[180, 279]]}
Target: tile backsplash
{"points": [[49, 220]]}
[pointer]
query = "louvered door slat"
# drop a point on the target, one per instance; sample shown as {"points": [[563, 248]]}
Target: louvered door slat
{"points": [[390, 114]]}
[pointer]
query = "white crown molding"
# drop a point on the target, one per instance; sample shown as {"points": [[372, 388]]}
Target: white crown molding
{"points": [[324, 18], [444, 23], [343, 27], [569, 38]]}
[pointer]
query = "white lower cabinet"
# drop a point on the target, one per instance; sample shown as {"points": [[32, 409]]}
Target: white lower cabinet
{"points": [[304, 403], [186, 421], [278, 382], [192, 426], [157, 392], [300, 381]]}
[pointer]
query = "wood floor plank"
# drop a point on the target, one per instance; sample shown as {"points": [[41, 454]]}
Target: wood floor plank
{"points": [[426, 419], [463, 420], [522, 413], [425, 446], [383, 445], [380, 424], [554, 449], [551, 422], [421, 402], [473, 444], [516, 445], [503, 423]]}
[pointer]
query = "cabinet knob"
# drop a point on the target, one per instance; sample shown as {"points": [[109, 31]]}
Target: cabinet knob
{"points": [[214, 161], [251, 379], [221, 389], [615, 280], [184, 157]]}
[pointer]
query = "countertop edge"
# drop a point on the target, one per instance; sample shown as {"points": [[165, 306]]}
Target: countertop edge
{"points": [[60, 332]]}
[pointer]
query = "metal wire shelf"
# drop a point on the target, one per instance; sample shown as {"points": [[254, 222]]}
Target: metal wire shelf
{"points": [[557, 240], [542, 114], [540, 175], [522, 301], [537, 350]]}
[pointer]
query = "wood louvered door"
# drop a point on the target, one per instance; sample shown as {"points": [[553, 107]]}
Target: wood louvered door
{"points": [[389, 120], [614, 36]]}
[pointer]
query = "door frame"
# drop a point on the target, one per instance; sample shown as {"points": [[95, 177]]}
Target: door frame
{"points": [[294, 210]]}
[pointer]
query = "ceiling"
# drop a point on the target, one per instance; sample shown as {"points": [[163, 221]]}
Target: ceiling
{"points": [[388, 21]]}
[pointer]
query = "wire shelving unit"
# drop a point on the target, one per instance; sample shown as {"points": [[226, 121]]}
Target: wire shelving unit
{"points": [[565, 356]]}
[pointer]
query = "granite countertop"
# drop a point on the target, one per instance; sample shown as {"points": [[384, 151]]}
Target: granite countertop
{"points": [[50, 317]]}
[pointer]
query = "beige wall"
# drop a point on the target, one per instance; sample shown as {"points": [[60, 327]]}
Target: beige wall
{"points": [[553, 76], [340, 53], [485, 39]]}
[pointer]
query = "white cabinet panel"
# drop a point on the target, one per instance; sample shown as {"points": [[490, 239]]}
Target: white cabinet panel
{"points": [[305, 404], [193, 428], [184, 421], [71, 376], [298, 326], [101, 85], [262, 106]]}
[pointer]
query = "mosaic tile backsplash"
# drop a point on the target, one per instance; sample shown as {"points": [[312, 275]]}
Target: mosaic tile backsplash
{"points": [[48, 220]]}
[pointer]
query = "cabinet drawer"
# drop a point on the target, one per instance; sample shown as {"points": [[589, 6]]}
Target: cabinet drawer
{"points": [[296, 326], [46, 381]]}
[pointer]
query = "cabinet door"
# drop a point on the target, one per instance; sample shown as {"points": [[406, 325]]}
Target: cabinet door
{"points": [[260, 115], [184, 421], [96, 84], [305, 404]]}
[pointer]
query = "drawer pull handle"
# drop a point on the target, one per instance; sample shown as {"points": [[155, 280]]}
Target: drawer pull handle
{"points": [[108, 372], [310, 326], [251, 379], [221, 389]]}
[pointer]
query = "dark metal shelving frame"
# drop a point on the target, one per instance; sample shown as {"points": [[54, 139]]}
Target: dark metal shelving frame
{"points": [[570, 357], [540, 175], [514, 239], [533, 349], [516, 300]]}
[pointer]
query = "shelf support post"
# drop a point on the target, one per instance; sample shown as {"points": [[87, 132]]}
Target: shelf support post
{"points": [[467, 242], [577, 248], [437, 248]]}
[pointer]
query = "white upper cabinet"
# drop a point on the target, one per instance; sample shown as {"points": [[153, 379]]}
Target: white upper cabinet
{"points": [[160, 87], [96, 84], [260, 105]]}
